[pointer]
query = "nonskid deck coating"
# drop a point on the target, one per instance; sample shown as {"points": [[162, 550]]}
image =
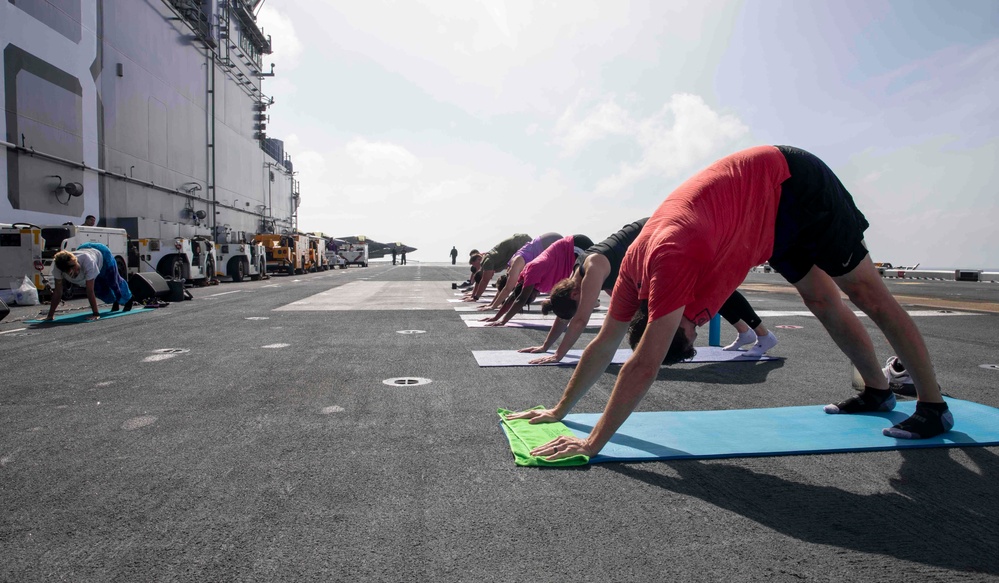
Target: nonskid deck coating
{"points": [[377, 295]]}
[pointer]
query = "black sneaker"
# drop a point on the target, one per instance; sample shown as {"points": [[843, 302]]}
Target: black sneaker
{"points": [[115, 307], [129, 304], [869, 401], [925, 422]]}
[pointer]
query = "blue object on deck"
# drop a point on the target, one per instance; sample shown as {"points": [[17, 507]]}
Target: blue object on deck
{"points": [[714, 331], [668, 435], [82, 316]]}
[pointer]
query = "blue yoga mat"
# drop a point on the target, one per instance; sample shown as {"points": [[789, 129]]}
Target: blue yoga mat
{"points": [[669, 435], [82, 316]]}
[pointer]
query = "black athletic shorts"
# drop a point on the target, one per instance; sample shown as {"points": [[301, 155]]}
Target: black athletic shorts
{"points": [[613, 248], [817, 221]]}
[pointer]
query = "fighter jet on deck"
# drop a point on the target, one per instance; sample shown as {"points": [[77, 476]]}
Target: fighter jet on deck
{"points": [[377, 250]]}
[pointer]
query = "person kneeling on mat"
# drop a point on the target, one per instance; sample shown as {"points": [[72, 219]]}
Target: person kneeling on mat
{"points": [[92, 267], [769, 203]]}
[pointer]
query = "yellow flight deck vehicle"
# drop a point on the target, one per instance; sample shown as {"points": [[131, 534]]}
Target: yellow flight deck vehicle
{"points": [[283, 253], [317, 253], [302, 251]]}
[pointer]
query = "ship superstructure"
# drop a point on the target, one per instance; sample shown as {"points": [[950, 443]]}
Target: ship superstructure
{"points": [[148, 115]]}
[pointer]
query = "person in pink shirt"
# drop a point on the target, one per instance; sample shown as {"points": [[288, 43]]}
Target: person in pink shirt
{"points": [[526, 254], [774, 203], [539, 276]]}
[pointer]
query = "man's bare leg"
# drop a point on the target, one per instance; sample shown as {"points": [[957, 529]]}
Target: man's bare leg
{"points": [[822, 296], [868, 292]]}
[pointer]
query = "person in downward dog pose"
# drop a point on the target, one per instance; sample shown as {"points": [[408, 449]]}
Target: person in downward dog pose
{"points": [[540, 275], [769, 203], [526, 254], [573, 300]]}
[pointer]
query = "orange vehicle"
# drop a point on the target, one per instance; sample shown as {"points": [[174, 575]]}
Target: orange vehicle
{"points": [[284, 253]]}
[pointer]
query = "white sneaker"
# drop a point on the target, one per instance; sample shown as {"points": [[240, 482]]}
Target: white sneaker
{"points": [[899, 381], [744, 339], [763, 344], [892, 373]]}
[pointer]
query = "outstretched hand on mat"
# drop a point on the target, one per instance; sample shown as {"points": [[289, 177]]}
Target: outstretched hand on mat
{"points": [[551, 358], [533, 349], [563, 447], [546, 359], [536, 416]]}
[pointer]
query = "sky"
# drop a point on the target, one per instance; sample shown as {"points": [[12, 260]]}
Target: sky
{"points": [[461, 122]]}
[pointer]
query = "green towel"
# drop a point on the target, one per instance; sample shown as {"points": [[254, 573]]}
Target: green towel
{"points": [[523, 437]]}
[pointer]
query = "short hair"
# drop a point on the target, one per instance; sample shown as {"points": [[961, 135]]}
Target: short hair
{"points": [[473, 258], [501, 281], [680, 348], [473, 252], [560, 300], [64, 260]]}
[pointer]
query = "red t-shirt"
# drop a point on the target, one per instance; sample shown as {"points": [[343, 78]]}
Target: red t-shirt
{"points": [[702, 240]]}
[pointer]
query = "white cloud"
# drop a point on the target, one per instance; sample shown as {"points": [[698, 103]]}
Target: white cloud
{"points": [[605, 119], [491, 57], [683, 134], [381, 160], [284, 40]]}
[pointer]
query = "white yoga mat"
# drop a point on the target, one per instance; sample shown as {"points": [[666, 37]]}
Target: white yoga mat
{"points": [[490, 358]]}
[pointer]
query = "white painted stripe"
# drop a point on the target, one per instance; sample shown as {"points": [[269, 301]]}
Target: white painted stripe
{"points": [[9, 331], [224, 293], [913, 313]]}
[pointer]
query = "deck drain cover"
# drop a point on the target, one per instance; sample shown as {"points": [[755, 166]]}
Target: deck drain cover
{"points": [[411, 332], [406, 381], [991, 366]]}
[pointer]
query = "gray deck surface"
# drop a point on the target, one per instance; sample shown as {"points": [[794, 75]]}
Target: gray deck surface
{"points": [[200, 442]]}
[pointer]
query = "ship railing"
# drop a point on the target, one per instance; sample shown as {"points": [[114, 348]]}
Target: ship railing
{"points": [[195, 17], [941, 274]]}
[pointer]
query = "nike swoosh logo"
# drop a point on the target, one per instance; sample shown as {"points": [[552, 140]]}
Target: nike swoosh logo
{"points": [[848, 260]]}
